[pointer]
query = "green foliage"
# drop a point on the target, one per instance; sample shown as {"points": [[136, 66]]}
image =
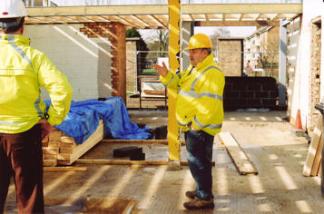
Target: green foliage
{"points": [[149, 71], [131, 33]]}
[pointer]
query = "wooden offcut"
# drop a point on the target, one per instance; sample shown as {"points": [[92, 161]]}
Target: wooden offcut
{"points": [[239, 157]]}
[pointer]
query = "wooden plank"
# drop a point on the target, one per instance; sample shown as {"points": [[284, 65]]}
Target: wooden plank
{"points": [[50, 151], [313, 148], [64, 169], [127, 162], [53, 144], [318, 158], [81, 149], [52, 162], [290, 8], [67, 140], [49, 156], [66, 150], [239, 157]]}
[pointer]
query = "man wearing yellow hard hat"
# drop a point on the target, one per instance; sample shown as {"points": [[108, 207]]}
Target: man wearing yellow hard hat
{"points": [[23, 114], [199, 114]]}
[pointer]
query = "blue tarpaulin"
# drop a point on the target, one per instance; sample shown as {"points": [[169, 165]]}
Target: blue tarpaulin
{"points": [[84, 117]]}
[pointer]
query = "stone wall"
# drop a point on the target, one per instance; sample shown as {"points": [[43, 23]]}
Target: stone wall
{"points": [[315, 76]]}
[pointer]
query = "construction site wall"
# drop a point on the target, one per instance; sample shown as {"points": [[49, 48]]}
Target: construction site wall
{"points": [[315, 82], [301, 96], [131, 65], [230, 55], [86, 61], [270, 49]]}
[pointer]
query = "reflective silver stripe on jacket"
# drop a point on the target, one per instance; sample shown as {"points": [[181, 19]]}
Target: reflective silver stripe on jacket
{"points": [[182, 124], [200, 76], [8, 123], [11, 40], [194, 94], [211, 126]]}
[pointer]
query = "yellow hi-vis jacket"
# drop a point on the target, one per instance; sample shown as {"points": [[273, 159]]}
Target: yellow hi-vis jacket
{"points": [[23, 71], [200, 96]]}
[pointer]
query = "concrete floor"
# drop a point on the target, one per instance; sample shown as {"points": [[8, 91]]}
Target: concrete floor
{"points": [[269, 141]]}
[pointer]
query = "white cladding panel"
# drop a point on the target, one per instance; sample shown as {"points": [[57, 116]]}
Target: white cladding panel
{"points": [[85, 61]]}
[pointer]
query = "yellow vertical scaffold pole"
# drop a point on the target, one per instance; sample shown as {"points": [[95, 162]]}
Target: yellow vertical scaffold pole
{"points": [[174, 52]]}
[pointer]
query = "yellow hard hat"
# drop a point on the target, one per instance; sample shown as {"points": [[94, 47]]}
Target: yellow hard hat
{"points": [[199, 40]]}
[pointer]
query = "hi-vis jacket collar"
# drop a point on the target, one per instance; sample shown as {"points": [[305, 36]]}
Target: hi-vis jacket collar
{"points": [[14, 38], [207, 61]]}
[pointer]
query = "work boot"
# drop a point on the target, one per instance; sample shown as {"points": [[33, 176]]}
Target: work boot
{"points": [[191, 194], [199, 204]]}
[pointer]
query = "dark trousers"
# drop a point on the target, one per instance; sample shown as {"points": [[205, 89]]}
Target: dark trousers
{"points": [[199, 146], [21, 157]]}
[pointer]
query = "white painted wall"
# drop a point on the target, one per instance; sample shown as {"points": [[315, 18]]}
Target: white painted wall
{"points": [[322, 56], [85, 61], [300, 99]]}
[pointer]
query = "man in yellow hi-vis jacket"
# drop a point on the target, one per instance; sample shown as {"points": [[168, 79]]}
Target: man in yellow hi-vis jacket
{"points": [[23, 114], [199, 113]]}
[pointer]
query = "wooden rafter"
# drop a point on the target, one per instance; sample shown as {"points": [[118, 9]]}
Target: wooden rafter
{"points": [[158, 21], [135, 15], [138, 19]]}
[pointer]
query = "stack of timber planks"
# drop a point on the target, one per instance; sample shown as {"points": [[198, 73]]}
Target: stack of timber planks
{"points": [[50, 147], [312, 164], [60, 149]]}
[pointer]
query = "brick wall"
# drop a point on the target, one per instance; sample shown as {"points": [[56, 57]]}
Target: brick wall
{"points": [[250, 92], [115, 33]]}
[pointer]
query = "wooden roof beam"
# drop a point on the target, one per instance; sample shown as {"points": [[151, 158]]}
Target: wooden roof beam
{"points": [[163, 9]]}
